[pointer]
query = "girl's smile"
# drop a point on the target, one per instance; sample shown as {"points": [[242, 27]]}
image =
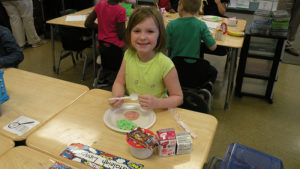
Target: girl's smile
{"points": [[144, 38]]}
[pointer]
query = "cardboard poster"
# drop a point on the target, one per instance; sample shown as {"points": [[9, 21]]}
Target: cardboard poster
{"points": [[97, 159], [58, 165]]}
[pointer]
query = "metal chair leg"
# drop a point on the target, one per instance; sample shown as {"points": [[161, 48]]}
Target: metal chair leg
{"points": [[84, 65], [59, 61], [73, 59]]}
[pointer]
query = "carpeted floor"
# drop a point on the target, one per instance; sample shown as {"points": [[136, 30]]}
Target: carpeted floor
{"points": [[291, 59]]}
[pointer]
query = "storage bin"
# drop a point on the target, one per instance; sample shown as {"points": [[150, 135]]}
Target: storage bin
{"points": [[254, 86], [241, 157], [258, 67]]}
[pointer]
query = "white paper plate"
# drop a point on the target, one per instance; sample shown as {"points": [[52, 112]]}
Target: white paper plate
{"points": [[212, 18], [145, 120]]}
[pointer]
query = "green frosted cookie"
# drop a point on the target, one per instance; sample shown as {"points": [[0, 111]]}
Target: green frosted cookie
{"points": [[125, 124]]}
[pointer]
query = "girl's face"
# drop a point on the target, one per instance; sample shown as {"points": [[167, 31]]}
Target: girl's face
{"points": [[144, 37]]}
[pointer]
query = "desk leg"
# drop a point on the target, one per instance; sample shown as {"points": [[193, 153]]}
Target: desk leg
{"points": [[94, 52], [52, 46], [233, 56]]}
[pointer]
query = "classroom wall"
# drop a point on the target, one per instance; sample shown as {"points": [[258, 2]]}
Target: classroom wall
{"points": [[285, 5]]}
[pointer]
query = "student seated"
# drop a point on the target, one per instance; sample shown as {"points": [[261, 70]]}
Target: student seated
{"points": [[145, 70], [165, 4], [214, 7], [111, 27], [10, 52], [185, 35]]}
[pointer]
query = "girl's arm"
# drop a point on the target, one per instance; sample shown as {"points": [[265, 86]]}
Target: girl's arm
{"points": [[221, 7], [90, 21], [118, 88], [175, 94]]}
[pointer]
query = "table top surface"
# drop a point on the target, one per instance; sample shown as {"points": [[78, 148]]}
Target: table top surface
{"points": [[82, 122], [35, 96], [5, 144], [62, 20], [22, 157], [229, 41]]}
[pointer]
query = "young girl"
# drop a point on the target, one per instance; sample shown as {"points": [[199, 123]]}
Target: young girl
{"points": [[145, 70]]}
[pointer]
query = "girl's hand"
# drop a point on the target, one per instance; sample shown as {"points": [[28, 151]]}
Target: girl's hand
{"points": [[116, 103], [148, 101]]}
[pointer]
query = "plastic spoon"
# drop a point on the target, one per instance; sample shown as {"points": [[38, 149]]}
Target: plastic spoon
{"points": [[130, 97]]}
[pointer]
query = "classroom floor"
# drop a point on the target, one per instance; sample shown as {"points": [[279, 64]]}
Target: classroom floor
{"points": [[270, 128]]}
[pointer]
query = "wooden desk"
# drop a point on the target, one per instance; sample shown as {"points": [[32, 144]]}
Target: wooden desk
{"points": [[82, 122], [229, 41], [22, 157], [5, 144], [79, 24], [35, 96]]}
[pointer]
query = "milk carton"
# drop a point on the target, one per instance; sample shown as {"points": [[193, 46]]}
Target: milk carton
{"points": [[184, 143], [167, 142]]}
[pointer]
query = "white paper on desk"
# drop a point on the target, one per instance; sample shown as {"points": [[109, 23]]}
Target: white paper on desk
{"points": [[265, 5], [21, 125], [243, 3], [76, 18], [212, 25]]}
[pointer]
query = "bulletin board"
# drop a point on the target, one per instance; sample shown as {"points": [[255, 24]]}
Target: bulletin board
{"points": [[250, 6]]}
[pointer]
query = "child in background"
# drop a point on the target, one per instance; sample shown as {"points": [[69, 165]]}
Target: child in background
{"points": [[214, 7], [111, 28], [145, 70], [174, 4], [185, 33], [111, 21], [165, 4], [184, 39]]}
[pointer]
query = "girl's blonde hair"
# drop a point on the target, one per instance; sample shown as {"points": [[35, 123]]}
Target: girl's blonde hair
{"points": [[139, 15]]}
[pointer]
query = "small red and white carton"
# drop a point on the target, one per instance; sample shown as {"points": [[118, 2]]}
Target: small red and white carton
{"points": [[167, 142]]}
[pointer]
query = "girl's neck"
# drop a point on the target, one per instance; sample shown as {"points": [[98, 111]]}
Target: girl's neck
{"points": [[186, 14], [145, 57]]}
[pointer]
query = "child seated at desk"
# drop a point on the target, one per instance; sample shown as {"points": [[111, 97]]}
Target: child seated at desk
{"points": [[145, 70], [184, 39], [165, 4], [213, 7], [111, 27]]}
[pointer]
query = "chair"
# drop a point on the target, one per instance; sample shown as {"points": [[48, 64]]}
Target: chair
{"points": [[196, 78], [72, 41], [111, 59], [187, 71], [145, 2], [220, 51]]}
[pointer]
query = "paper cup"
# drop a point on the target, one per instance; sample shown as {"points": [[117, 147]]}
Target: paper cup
{"points": [[139, 151]]}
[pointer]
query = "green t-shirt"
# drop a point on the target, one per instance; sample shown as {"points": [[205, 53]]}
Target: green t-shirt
{"points": [[185, 35], [147, 77]]}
